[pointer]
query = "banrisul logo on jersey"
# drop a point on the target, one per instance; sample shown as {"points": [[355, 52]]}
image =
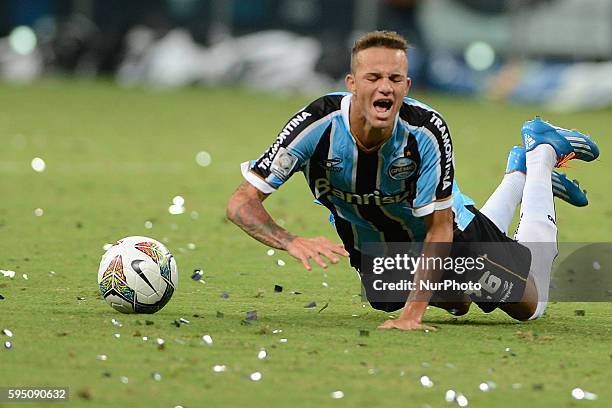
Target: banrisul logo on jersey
{"points": [[402, 168]]}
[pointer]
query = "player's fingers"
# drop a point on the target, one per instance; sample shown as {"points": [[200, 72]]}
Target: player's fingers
{"points": [[304, 259], [320, 261], [330, 255], [339, 249]]}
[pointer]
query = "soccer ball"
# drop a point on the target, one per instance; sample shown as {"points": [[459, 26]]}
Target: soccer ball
{"points": [[137, 275]]}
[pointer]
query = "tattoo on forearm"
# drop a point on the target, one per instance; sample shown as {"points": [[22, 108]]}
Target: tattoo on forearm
{"points": [[254, 220]]}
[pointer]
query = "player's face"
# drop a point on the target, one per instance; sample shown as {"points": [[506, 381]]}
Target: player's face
{"points": [[379, 82]]}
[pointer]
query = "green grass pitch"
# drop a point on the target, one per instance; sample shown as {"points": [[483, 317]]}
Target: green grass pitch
{"points": [[115, 158]]}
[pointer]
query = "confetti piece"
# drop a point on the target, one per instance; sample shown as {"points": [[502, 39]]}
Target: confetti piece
{"points": [[197, 274], [219, 368], [176, 209], [39, 212], [117, 335], [207, 339], [156, 376], [487, 386], [325, 285], [278, 288], [450, 396], [310, 305], [462, 401], [102, 357], [283, 340], [25, 276], [323, 308], [426, 382], [280, 262], [184, 321], [148, 224], [203, 159], [580, 394], [262, 354], [596, 265], [224, 295], [8, 345], [276, 331], [38, 165], [270, 252], [191, 246], [124, 380], [251, 315], [80, 298], [7, 333], [115, 322], [256, 376], [160, 341], [8, 274], [337, 395]]}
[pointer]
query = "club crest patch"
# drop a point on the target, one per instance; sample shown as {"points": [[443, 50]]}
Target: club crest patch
{"points": [[283, 164], [402, 168]]}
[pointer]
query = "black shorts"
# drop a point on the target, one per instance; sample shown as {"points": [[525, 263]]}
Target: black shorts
{"points": [[503, 281]]}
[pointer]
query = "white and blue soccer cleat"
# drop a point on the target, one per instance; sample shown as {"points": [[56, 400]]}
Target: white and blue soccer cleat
{"points": [[568, 144], [568, 190], [562, 187]]}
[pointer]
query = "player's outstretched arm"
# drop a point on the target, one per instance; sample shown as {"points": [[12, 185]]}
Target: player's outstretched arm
{"points": [[439, 230], [245, 209]]}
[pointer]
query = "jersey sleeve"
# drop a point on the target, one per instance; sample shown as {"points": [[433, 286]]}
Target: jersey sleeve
{"points": [[291, 150], [435, 182]]}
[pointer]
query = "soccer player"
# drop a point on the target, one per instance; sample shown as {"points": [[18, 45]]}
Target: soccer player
{"points": [[383, 164]]}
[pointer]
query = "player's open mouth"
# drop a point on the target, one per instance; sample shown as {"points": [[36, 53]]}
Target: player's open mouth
{"points": [[383, 105]]}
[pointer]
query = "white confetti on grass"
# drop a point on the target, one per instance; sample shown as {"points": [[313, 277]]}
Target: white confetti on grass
{"points": [[280, 262], [203, 159], [219, 368], [580, 394], [39, 212], [38, 165], [337, 394], [426, 382], [256, 376], [207, 339]]}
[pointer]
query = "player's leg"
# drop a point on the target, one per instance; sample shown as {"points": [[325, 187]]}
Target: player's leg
{"points": [[547, 147], [501, 206]]}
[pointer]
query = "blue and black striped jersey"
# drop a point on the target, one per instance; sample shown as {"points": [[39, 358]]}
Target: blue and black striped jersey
{"points": [[375, 196]]}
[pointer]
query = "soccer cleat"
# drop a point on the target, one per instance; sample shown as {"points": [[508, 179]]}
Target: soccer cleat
{"points": [[568, 144], [568, 190], [562, 187]]}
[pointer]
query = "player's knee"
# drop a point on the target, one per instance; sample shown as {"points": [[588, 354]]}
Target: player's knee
{"points": [[539, 311]]}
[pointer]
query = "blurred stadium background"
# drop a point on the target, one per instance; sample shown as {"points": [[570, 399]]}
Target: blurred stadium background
{"points": [[555, 53]]}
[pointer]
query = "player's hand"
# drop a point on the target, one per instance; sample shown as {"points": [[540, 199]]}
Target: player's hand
{"points": [[305, 249], [405, 324]]}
